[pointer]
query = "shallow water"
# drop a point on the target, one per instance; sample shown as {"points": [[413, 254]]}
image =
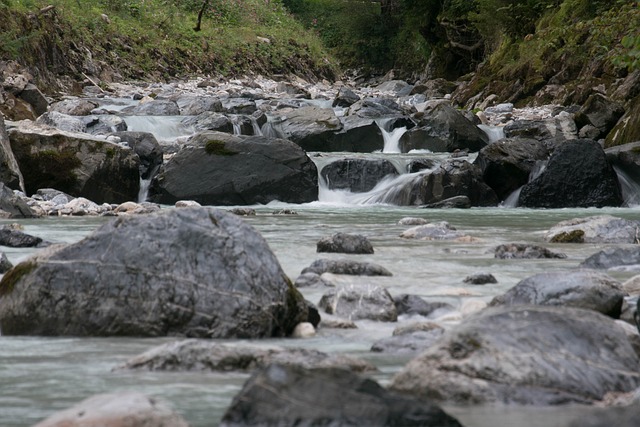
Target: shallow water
{"points": [[39, 376]]}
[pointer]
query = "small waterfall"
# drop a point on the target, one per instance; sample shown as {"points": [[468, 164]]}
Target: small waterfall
{"points": [[391, 137], [271, 128], [143, 193], [164, 128], [630, 188], [494, 133], [512, 200], [256, 127], [537, 170]]}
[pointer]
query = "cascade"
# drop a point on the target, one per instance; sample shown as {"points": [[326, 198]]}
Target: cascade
{"points": [[256, 127], [143, 193], [494, 133], [512, 200], [391, 137], [164, 128], [630, 188]]}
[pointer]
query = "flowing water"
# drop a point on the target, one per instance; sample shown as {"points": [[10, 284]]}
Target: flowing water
{"points": [[39, 375]]}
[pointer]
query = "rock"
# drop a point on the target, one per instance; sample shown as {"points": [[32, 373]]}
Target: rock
{"points": [[219, 169], [613, 257], [32, 95], [193, 105], [415, 305], [452, 178], [375, 108], [80, 165], [303, 330], [628, 128], [5, 264], [534, 355], [434, 88], [480, 279], [413, 221], [413, 340], [155, 107], [117, 410], [357, 175], [210, 121], [581, 289], [104, 124], [347, 400], [507, 164], [595, 229], [238, 106], [310, 127], [147, 148], [74, 107], [354, 268], [360, 302], [432, 231], [356, 135], [63, 122], [345, 98], [17, 239], [524, 251], [600, 112], [552, 131], [444, 129], [456, 202], [10, 174], [345, 243], [308, 280], [242, 211], [417, 165], [626, 161], [204, 355], [577, 175], [197, 272], [188, 204], [12, 206]]}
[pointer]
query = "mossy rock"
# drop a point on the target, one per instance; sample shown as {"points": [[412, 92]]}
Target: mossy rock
{"points": [[50, 168], [575, 236], [9, 280], [628, 128], [218, 148]]}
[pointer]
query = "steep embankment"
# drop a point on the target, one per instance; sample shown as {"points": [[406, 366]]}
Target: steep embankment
{"points": [[64, 41]]}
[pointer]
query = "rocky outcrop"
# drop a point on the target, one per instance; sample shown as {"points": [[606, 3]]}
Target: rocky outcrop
{"points": [[354, 268], [582, 289], [10, 174], [80, 165], [117, 410], [197, 272], [346, 400], [507, 164], [595, 229], [444, 129], [219, 169], [614, 257], [599, 113], [577, 175], [627, 130], [532, 355], [345, 243], [359, 302], [357, 175], [201, 355]]}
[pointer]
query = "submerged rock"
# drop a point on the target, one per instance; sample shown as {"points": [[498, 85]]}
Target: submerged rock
{"points": [[197, 272], [414, 339], [531, 355], [354, 268], [287, 395], [360, 302], [433, 231], [414, 305], [345, 243], [614, 257], [357, 175], [17, 239], [524, 251]]}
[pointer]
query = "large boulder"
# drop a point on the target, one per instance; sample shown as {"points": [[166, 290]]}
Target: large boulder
{"points": [[63, 122], [310, 127], [74, 106], [80, 165], [220, 169], [357, 135], [288, 395], [117, 410], [552, 131], [614, 257], [147, 148], [206, 355], [535, 355], [583, 289], [360, 302], [577, 175], [10, 174], [444, 129], [507, 164], [595, 229], [345, 243], [210, 120], [154, 107], [357, 175], [197, 272], [599, 112], [524, 251]]}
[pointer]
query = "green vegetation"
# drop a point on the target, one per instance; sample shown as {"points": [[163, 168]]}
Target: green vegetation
{"points": [[218, 148], [575, 236], [9, 280]]}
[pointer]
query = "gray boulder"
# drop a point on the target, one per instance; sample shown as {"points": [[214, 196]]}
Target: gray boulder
{"points": [[345, 98], [292, 396], [409, 340], [444, 129], [354, 268], [577, 175], [357, 302], [80, 165], [310, 127], [433, 231], [357, 175], [104, 124], [480, 279], [551, 131], [595, 229], [238, 105], [5, 264], [74, 106], [192, 105], [626, 161], [197, 272], [582, 289], [117, 410], [210, 121], [147, 148], [455, 202], [414, 305], [205, 355], [345, 243], [13, 206], [63, 122], [600, 113], [524, 251], [356, 135], [375, 108], [507, 164], [220, 169], [614, 257], [10, 174], [35, 98], [17, 239], [534, 355]]}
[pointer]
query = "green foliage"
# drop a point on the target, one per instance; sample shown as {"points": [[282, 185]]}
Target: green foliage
{"points": [[630, 52]]}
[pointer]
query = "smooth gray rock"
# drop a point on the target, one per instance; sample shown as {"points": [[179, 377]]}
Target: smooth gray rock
{"points": [[307, 280], [357, 175], [345, 243], [155, 107], [409, 341], [577, 175], [74, 107], [533, 355], [354, 268], [291, 396], [585, 289], [196, 272], [613, 257], [415, 305], [201, 355], [356, 135], [433, 231], [345, 98], [147, 148], [17, 239], [357, 302], [310, 127], [210, 121], [192, 105], [525, 251], [215, 168], [595, 229], [63, 122], [117, 410]]}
